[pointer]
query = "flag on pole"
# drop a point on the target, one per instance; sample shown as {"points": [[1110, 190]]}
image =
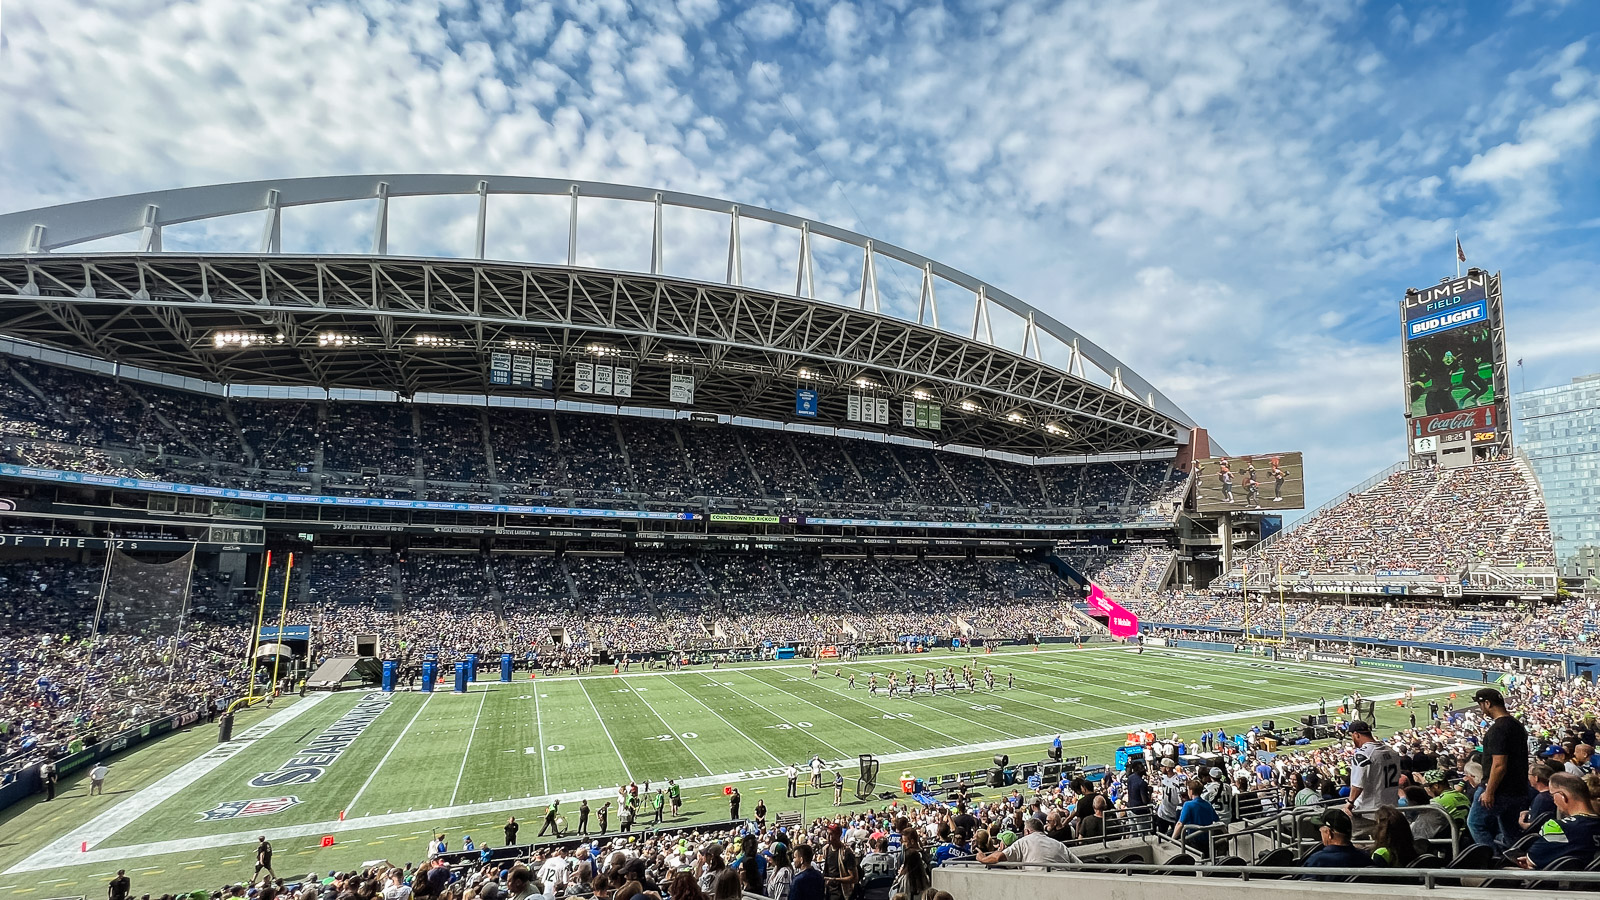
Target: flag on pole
{"points": [[1461, 255]]}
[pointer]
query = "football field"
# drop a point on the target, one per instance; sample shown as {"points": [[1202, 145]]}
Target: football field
{"points": [[379, 772]]}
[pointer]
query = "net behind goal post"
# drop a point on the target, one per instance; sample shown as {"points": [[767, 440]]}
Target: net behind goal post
{"points": [[144, 597]]}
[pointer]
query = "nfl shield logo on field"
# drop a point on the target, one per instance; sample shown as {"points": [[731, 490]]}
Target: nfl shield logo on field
{"points": [[233, 809]]}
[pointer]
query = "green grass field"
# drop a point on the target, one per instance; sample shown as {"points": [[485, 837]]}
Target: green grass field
{"points": [[409, 764]]}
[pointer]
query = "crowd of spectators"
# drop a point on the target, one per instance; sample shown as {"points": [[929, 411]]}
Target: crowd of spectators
{"points": [[78, 421], [1428, 521], [1569, 625], [59, 690]]}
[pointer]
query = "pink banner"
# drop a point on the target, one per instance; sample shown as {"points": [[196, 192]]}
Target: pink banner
{"points": [[1121, 622]]}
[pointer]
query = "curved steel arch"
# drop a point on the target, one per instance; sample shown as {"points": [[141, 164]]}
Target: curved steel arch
{"points": [[50, 228]]}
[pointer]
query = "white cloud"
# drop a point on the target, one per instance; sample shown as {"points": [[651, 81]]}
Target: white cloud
{"points": [[1229, 196], [769, 21], [1542, 141], [843, 28]]}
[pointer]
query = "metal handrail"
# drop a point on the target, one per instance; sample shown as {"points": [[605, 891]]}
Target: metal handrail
{"points": [[1427, 878]]}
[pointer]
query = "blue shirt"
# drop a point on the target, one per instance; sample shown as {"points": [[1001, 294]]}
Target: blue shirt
{"points": [[1336, 856], [807, 885], [1568, 836], [1197, 812]]}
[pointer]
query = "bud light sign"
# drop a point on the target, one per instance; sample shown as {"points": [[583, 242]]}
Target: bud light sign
{"points": [[1435, 322], [1121, 622]]}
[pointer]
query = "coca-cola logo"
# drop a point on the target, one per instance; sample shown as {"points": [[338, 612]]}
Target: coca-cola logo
{"points": [[1476, 419], [1458, 422]]}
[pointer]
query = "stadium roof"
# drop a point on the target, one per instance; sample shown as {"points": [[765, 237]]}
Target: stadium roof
{"points": [[1007, 376]]}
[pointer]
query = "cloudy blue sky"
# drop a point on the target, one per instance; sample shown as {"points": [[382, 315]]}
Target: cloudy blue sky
{"points": [[1230, 196]]}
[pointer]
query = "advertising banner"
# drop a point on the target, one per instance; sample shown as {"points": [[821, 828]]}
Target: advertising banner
{"points": [[1481, 418], [1121, 622], [1450, 347]]}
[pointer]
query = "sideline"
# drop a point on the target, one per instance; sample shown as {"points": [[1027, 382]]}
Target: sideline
{"points": [[125, 813], [65, 852]]}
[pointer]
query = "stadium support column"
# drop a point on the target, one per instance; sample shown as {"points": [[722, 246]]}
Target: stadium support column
{"points": [[1226, 528]]}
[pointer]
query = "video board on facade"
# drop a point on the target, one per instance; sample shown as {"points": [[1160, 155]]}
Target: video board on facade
{"points": [[1254, 482], [1450, 347]]}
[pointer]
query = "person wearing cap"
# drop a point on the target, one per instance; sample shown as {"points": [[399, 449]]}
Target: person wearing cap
{"points": [[840, 869], [1336, 851], [1219, 793], [1173, 785], [1374, 778], [1492, 820], [1576, 830], [1446, 796]]}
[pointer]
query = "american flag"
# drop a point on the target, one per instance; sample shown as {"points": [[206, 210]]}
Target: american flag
{"points": [[1461, 255]]}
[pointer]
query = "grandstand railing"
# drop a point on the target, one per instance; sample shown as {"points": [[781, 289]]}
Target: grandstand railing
{"points": [[1254, 553], [1430, 878]]}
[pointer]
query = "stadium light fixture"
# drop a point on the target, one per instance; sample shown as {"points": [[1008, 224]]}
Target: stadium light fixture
{"points": [[920, 394], [242, 339], [336, 339], [1014, 417], [863, 384], [805, 374], [969, 406]]}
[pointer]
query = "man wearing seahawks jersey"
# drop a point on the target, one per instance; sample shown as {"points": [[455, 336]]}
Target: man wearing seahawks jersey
{"points": [[1374, 778]]}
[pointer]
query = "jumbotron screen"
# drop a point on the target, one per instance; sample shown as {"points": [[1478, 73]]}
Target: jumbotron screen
{"points": [[1450, 348], [1260, 481]]}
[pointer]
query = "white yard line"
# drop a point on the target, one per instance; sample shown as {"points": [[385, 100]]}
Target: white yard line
{"points": [[674, 682], [876, 734], [797, 729], [120, 816], [58, 855], [365, 784], [482, 696], [878, 711], [538, 732], [602, 720], [675, 736]]}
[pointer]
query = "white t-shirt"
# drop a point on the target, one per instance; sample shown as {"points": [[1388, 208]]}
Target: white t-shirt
{"points": [[1038, 847], [98, 773], [1376, 770]]}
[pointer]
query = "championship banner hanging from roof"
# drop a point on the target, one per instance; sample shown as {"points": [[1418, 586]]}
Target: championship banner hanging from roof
{"points": [[1121, 622]]}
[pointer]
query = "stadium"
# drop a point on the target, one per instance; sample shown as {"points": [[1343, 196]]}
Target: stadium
{"points": [[357, 552]]}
